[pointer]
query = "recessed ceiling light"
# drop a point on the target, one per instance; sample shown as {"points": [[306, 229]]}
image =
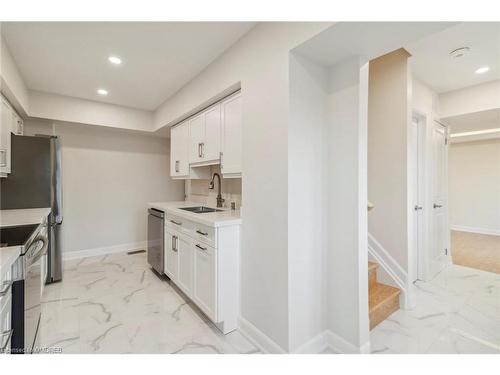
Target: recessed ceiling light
{"points": [[459, 52], [102, 92], [482, 70], [115, 60]]}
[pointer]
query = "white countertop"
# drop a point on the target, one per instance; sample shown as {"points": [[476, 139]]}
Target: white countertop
{"points": [[9, 218], [214, 219]]}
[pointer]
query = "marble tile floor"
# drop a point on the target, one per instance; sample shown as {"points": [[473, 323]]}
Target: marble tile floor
{"points": [[457, 312], [116, 304]]}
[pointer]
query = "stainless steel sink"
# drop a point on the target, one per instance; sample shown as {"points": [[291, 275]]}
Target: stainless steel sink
{"points": [[199, 209]]}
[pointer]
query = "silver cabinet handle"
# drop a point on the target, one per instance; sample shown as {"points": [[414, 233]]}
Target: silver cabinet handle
{"points": [[200, 150], [8, 335], [3, 154], [437, 205], [176, 222], [202, 233], [177, 166], [201, 247], [174, 243], [6, 288], [417, 207]]}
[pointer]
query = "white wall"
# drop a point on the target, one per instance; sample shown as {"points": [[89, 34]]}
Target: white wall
{"points": [[307, 194], [13, 86], [389, 111], [347, 247], [474, 186], [108, 178], [68, 109], [260, 63], [477, 98]]}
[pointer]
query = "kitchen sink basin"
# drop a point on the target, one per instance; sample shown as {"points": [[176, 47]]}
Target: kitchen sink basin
{"points": [[200, 209]]}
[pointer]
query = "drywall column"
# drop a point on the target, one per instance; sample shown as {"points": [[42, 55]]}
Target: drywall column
{"points": [[307, 195], [346, 168], [388, 124]]}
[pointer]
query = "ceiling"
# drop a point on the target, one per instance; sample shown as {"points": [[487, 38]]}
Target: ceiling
{"points": [[432, 64], [71, 58], [474, 121], [370, 39]]}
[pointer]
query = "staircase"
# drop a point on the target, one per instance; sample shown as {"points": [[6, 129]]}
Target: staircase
{"points": [[383, 299]]}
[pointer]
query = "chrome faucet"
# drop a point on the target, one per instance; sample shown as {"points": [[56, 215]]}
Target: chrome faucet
{"points": [[212, 185]]}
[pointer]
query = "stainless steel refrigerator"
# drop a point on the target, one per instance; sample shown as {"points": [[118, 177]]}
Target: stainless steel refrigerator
{"points": [[35, 182]]}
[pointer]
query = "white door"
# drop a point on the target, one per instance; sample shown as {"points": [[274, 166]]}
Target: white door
{"points": [[196, 138], [185, 274], [5, 129], [211, 145], [204, 291], [171, 265], [417, 197], [231, 158], [179, 150], [439, 246]]}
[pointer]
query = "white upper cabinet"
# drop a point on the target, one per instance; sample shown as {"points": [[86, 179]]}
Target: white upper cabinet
{"points": [[231, 137], [179, 154], [17, 124], [196, 138], [210, 137], [5, 130], [205, 136]]}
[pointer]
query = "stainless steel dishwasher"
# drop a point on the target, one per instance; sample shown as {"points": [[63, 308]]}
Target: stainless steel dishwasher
{"points": [[156, 240]]}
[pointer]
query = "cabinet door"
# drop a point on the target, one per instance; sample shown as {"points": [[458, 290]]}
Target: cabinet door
{"points": [[5, 129], [171, 266], [185, 274], [179, 150], [204, 291], [211, 145], [231, 136], [196, 138]]}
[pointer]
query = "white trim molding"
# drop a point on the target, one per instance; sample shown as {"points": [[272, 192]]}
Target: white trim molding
{"points": [[142, 245], [392, 268], [463, 228], [258, 338]]}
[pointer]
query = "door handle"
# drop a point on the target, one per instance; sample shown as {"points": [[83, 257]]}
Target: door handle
{"points": [[177, 166], [202, 233], [437, 205], [201, 247], [417, 207], [175, 222], [200, 152]]}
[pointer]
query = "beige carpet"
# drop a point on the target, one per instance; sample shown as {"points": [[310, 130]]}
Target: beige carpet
{"points": [[474, 250]]}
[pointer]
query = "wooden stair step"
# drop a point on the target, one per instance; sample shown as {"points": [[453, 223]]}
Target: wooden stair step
{"points": [[372, 273], [383, 301]]}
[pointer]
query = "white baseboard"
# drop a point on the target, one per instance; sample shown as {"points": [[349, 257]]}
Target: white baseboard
{"points": [[258, 338], [463, 228], [340, 345], [142, 245], [316, 345]]}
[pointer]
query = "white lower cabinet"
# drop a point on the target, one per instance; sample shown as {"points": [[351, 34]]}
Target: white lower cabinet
{"points": [[205, 290], [185, 267], [171, 257], [203, 262]]}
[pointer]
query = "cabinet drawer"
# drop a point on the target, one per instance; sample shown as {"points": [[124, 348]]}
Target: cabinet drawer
{"points": [[179, 224], [204, 233]]}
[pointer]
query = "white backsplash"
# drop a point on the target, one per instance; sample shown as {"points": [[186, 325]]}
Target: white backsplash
{"points": [[198, 191]]}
